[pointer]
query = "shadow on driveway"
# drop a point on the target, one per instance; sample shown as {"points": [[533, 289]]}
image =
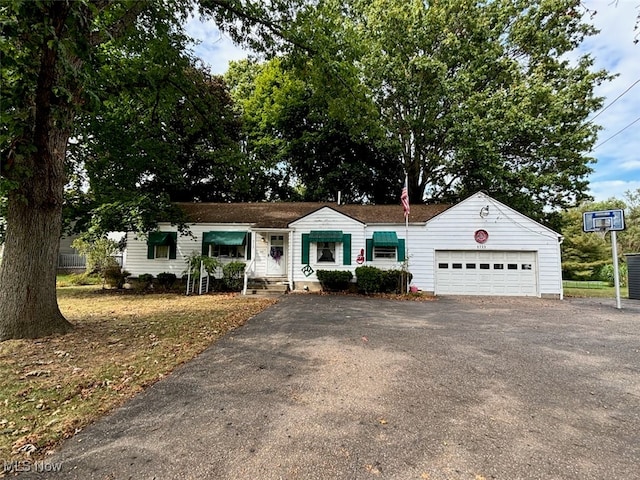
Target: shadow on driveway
{"points": [[355, 388]]}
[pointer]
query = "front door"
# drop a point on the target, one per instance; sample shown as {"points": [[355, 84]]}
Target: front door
{"points": [[277, 258]]}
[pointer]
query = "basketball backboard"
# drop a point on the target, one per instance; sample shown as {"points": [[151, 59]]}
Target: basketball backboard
{"points": [[603, 220]]}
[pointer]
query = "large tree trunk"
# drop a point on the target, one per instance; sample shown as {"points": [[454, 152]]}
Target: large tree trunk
{"points": [[28, 302]]}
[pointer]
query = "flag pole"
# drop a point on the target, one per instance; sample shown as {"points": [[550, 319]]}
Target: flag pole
{"points": [[405, 203]]}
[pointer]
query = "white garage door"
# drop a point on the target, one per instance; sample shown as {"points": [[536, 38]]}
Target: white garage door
{"points": [[485, 272]]}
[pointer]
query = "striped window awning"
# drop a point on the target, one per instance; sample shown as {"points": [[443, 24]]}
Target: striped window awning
{"points": [[385, 239], [325, 236]]}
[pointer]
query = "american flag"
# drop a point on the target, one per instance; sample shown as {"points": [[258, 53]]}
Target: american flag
{"points": [[404, 198]]}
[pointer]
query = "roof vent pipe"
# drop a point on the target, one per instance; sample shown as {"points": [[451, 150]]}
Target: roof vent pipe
{"points": [[339, 197]]}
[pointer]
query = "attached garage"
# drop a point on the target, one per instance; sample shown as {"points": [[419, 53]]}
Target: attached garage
{"points": [[483, 247], [482, 272]]}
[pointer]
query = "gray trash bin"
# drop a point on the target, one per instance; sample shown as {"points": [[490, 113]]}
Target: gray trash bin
{"points": [[633, 275]]}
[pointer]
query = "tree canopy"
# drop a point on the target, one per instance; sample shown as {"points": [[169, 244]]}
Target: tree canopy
{"points": [[470, 95]]}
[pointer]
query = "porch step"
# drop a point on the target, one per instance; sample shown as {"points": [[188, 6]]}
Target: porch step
{"points": [[267, 287]]}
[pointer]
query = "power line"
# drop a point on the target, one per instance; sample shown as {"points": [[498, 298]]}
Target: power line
{"points": [[615, 134], [614, 101]]}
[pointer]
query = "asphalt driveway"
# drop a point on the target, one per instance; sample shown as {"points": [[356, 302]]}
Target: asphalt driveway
{"points": [[338, 387]]}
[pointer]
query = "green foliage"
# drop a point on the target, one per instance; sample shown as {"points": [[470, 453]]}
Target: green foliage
{"points": [[584, 254], [195, 260], [145, 281], [98, 252], [233, 276], [395, 281], [334, 280], [166, 280], [606, 274], [369, 279], [115, 277], [465, 95]]}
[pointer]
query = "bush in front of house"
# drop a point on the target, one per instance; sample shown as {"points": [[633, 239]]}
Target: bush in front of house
{"points": [[369, 279], [233, 276], [395, 281], [166, 280], [144, 281], [334, 280], [115, 277]]}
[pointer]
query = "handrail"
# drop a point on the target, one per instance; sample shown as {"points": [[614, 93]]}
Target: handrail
{"points": [[246, 277]]}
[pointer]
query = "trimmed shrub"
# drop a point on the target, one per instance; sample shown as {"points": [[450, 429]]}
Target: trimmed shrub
{"points": [[394, 281], [334, 280], [115, 277], [145, 281], [233, 276], [166, 280], [369, 279]]}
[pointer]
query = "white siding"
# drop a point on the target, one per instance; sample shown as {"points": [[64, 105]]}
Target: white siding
{"points": [[137, 263], [508, 230], [324, 219]]}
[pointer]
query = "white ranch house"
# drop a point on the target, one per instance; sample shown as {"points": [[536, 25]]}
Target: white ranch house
{"points": [[477, 247]]}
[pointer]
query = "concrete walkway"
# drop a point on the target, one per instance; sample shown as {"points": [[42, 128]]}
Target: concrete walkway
{"points": [[339, 387]]}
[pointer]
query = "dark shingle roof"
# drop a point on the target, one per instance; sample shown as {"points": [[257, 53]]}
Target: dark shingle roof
{"points": [[281, 214]]}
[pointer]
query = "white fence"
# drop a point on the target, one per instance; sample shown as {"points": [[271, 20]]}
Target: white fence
{"points": [[75, 261]]}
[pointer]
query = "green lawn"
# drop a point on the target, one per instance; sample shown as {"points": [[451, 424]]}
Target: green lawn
{"points": [[592, 289]]}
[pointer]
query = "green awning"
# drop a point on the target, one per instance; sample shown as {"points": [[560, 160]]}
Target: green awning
{"points": [[225, 238], [162, 238], [385, 239], [325, 236]]}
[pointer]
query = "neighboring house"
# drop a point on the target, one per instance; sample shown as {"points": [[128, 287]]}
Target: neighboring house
{"points": [[68, 257], [477, 247]]}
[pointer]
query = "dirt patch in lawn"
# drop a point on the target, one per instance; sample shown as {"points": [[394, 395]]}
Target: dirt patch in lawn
{"points": [[52, 387]]}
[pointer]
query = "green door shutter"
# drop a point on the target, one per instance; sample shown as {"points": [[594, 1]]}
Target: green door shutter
{"points": [[346, 249], [248, 246], [369, 256], [401, 250], [305, 249]]}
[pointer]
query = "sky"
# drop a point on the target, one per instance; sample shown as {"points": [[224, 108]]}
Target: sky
{"points": [[617, 149]]}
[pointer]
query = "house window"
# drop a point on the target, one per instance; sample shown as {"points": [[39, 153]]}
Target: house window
{"points": [[385, 246], [326, 252], [228, 251], [162, 245], [384, 252], [161, 251]]}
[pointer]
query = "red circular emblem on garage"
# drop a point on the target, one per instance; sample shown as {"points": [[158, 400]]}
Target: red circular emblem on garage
{"points": [[481, 236]]}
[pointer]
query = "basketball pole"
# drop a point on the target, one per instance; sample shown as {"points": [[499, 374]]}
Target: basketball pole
{"points": [[616, 273]]}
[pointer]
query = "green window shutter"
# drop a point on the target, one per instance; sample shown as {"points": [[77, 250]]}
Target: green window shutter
{"points": [[205, 248], [173, 246], [151, 252], [248, 246], [401, 250], [305, 248], [346, 249], [369, 256]]}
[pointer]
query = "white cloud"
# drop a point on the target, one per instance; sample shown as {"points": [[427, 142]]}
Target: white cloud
{"points": [[618, 154], [612, 188], [214, 48]]}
